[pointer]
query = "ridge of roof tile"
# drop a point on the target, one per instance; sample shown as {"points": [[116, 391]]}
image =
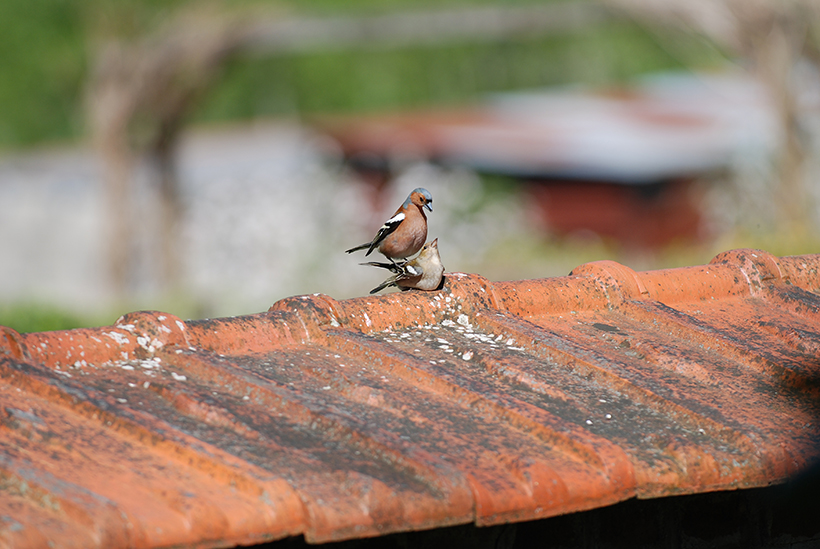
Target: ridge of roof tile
{"points": [[484, 402]]}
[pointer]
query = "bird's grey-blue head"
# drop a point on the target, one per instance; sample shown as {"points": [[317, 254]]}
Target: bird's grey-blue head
{"points": [[420, 197]]}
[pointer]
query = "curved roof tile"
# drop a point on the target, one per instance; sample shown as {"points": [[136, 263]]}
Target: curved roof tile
{"points": [[483, 402]]}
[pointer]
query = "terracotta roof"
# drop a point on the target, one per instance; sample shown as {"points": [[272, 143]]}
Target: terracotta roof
{"points": [[480, 403]]}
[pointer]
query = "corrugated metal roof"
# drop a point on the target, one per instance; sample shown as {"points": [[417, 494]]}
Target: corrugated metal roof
{"points": [[665, 127], [483, 402]]}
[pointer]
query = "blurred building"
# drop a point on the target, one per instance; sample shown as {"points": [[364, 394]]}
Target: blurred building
{"points": [[622, 163]]}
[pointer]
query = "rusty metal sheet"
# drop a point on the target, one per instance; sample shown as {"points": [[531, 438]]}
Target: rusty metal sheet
{"points": [[664, 127], [481, 403]]}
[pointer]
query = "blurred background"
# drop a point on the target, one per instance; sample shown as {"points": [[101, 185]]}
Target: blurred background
{"points": [[210, 158]]}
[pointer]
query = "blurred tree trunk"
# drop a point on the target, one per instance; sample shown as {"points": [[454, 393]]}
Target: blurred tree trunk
{"points": [[171, 205], [112, 106], [775, 53], [139, 95], [117, 171]]}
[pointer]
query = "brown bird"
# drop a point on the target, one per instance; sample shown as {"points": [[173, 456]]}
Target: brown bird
{"points": [[402, 235], [423, 272]]}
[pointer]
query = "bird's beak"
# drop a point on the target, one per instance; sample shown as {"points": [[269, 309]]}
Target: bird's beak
{"points": [[429, 206]]}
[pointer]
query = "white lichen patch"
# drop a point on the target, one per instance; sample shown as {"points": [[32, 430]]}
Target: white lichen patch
{"points": [[119, 338], [150, 345]]}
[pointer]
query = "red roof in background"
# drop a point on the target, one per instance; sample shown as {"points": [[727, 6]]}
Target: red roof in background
{"points": [[483, 402], [664, 127]]}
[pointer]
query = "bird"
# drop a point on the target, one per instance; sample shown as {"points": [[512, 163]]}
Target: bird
{"points": [[424, 272], [404, 234]]}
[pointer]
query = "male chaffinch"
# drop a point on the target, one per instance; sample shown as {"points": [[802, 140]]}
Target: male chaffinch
{"points": [[402, 235], [423, 272]]}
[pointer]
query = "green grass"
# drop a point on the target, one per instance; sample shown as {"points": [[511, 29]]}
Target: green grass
{"points": [[43, 66], [378, 80], [39, 317]]}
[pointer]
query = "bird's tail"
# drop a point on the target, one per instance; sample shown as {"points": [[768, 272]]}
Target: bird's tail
{"points": [[389, 282], [395, 267], [357, 248]]}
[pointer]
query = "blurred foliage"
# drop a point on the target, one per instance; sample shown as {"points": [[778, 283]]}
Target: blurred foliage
{"points": [[379, 79], [42, 62], [45, 47], [37, 317]]}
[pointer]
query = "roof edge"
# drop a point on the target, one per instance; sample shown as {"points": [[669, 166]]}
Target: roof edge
{"points": [[303, 319]]}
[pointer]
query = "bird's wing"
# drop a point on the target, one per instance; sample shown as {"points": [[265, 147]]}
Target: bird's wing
{"points": [[389, 226], [403, 271], [408, 270]]}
